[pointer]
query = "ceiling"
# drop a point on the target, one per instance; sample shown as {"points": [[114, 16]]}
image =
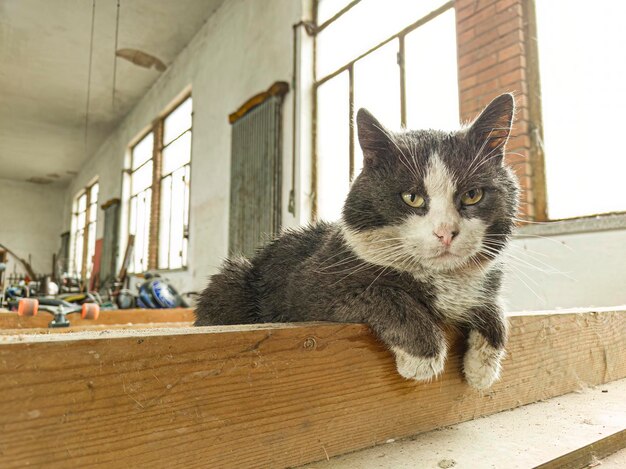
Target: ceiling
{"points": [[44, 70]]}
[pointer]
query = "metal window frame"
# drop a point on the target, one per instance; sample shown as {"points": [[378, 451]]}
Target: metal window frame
{"points": [[349, 67]]}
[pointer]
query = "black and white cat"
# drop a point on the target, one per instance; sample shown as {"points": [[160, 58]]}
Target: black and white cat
{"points": [[418, 247]]}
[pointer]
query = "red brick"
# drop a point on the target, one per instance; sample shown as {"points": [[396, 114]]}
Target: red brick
{"points": [[508, 26], [511, 51], [500, 69], [481, 90], [468, 82], [465, 9], [494, 46], [515, 77], [466, 36], [480, 18], [502, 5], [478, 65]]}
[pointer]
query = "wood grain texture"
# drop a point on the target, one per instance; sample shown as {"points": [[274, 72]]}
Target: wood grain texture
{"points": [[264, 396], [10, 320], [589, 454], [93, 328]]}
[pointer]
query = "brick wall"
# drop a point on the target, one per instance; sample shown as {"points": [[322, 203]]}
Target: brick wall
{"points": [[495, 48]]}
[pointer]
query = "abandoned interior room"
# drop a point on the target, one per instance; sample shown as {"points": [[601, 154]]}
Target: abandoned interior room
{"points": [[312, 233]]}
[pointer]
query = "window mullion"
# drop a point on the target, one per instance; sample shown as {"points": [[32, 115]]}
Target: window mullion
{"points": [[351, 119], [402, 82], [155, 205]]}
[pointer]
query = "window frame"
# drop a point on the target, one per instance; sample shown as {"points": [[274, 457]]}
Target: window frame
{"points": [[157, 129], [349, 68]]}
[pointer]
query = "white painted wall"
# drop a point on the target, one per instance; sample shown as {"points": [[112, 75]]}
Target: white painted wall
{"points": [[31, 221], [244, 47], [568, 270]]}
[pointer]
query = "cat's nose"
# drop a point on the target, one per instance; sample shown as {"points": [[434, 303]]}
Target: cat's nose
{"points": [[446, 234]]}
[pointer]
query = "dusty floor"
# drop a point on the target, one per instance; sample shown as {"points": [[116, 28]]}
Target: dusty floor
{"points": [[519, 438]]}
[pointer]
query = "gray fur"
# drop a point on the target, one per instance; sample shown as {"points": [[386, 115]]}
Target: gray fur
{"points": [[319, 273]]}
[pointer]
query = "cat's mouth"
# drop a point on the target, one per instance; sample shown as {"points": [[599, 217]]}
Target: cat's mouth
{"points": [[445, 254]]}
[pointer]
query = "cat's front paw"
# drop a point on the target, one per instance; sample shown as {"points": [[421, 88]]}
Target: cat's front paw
{"points": [[418, 367], [481, 364]]}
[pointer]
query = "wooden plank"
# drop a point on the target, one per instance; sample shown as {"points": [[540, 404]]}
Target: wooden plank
{"points": [[265, 396], [94, 328], [516, 439], [588, 454], [10, 320]]}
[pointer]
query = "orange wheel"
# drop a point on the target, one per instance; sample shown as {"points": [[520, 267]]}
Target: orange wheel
{"points": [[90, 311], [27, 307]]}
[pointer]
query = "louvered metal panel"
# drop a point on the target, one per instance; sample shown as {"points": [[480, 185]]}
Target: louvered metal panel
{"points": [[255, 189], [110, 244]]}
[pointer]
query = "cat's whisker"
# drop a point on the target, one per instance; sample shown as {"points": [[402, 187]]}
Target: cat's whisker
{"points": [[381, 255], [551, 269], [524, 235]]}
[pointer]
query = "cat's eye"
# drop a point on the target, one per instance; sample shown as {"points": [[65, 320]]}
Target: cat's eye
{"points": [[472, 197], [413, 199]]}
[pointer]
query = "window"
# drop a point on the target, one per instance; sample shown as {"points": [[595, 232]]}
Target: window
{"points": [[84, 217], [174, 212], [159, 176], [140, 204], [583, 70], [378, 55]]}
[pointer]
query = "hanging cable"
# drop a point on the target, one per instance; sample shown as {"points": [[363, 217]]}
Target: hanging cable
{"points": [[93, 17], [117, 29]]}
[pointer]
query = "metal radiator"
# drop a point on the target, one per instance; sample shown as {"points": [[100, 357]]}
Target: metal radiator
{"points": [[255, 189]]}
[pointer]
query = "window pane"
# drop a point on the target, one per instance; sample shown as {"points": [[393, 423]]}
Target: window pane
{"points": [[365, 26], [142, 152], [91, 247], [93, 213], [186, 215], [132, 212], [177, 122], [142, 228], [177, 218], [432, 95], [93, 196], [164, 222], [177, 154], [377, 88], [80, 220], [583, 71], [82, 203], [78, 252], [333, 146], [141, 179]]}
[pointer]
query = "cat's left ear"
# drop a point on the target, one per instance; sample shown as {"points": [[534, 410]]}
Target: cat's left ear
{"points": [[491, 130], [374, 139]]}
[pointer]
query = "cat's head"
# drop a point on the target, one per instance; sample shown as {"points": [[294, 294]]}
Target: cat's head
{"points": [[433, 200]]}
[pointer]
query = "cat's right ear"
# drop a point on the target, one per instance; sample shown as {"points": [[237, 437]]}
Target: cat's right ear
{"points": [[374, 139]]}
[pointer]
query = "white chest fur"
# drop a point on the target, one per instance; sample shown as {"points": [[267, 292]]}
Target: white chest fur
{"points": [[457, 293]]}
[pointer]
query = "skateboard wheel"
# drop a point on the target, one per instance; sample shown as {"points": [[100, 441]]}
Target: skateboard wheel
{"points": [[27, 307], [90, 311]]}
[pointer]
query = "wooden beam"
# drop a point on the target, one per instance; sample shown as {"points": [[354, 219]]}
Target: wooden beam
{"points": [[268, 395], [10, 320], [94, 328], [588, 454]]}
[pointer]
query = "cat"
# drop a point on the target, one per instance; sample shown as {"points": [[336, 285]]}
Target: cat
{"points": [[418, 247]]}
